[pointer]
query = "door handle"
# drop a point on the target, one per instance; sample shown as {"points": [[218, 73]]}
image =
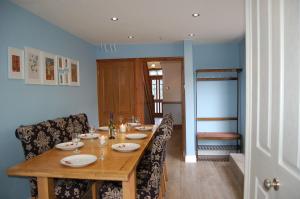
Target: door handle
{"points": [[268, 184]]}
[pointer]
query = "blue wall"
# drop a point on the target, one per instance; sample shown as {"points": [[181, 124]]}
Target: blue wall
{"points": [[219, 98], [26, 104], [216, 55], [190, 138], [141, 50]]}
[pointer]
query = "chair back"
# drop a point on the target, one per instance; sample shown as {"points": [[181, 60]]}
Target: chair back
{"points": [[80, 123], [158, 148], [39, 138]]}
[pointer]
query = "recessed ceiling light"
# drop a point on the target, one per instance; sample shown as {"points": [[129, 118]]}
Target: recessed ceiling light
{"points": [[114, 18], [130, 37], [195, 14], [191, 34], [153, 65]]}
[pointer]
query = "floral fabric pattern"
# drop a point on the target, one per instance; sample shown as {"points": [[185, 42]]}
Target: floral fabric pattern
{"points": [[148, 170], [39, 138], [80, 123]]}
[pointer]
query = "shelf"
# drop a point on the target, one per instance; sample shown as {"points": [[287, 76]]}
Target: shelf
{"points": [[220, 70], [218, 136], [216, 79], [215, 118]]}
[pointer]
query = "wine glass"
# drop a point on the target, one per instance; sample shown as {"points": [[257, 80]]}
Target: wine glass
{"points": [[75, 141], [102, 144], [121, 119], [92, 129], [137, 120]]}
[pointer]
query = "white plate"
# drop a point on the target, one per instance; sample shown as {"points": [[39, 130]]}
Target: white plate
{"points": [[136, 136], [144, 128], [103, 128], [133, 124], [125, 147], [68, 146], [81, 160], [88, 136]]}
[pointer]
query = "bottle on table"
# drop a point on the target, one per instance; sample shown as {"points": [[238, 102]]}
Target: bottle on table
{"points": [[111, 126]]}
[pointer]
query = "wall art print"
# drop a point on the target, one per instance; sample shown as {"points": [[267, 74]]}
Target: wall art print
{"points": [[33, 69], [49, 65], [15, 63], [74, 73]]}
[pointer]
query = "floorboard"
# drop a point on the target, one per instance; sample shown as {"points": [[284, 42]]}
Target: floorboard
{"points": [[201, 180]]}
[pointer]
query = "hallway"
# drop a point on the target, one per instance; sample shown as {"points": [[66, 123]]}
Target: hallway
{"points": [[204, 180]]}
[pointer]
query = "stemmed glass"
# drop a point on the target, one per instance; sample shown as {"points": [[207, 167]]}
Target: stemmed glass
{"points": [[137, 120], [75, 141], [102, 144], [92, 130], [121, 119]]}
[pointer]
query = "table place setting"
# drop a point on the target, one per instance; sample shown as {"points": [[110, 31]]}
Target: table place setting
{"points": [[77, 161], [143, 128], [133, 124], [136, 136], [88, 136], [125, 147], [103, 128], [69, 146]]}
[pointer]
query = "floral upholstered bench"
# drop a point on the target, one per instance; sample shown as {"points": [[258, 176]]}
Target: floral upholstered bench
{"points": [[39, 138]]}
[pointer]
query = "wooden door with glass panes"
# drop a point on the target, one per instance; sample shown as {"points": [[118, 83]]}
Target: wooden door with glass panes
{"points": [[157, 90]]}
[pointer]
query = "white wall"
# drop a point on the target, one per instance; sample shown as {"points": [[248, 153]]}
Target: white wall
{"points": [[172, 73]]}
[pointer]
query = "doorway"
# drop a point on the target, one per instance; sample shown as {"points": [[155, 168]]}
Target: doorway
{"points": [[167, 81], [156, 79]]}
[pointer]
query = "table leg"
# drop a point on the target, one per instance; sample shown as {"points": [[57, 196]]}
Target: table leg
{"points": [[129, 187], [45, 188]]}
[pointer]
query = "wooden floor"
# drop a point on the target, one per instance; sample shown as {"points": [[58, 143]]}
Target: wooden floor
{"points": [[201, 180]]}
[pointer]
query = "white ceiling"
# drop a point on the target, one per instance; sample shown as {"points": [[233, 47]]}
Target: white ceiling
{"points": [[150, 21]]}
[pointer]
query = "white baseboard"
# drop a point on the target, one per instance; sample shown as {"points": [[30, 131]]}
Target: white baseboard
{"points": [[190, 159]]}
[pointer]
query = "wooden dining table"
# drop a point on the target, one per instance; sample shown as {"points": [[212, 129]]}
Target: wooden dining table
{"points": [[116, 166]]}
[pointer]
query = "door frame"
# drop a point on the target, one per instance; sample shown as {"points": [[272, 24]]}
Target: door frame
{"points": [[248, 130], [181, 60]]}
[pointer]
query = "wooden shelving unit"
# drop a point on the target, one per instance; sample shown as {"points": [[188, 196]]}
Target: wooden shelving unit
{"points": [[225, 136], [215, 118], [218, 136]]}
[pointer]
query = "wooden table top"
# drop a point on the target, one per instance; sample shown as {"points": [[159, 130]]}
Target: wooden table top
{"points": [[116, 165]]}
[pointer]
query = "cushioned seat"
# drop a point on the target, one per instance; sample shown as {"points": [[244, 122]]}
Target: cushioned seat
{"points": [[149, 169], [39, 138], [80, 123]]}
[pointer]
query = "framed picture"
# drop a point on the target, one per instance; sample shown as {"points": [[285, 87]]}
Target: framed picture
{"points": [[33, 69], [15, 63], [63, 71], [74, 73], [60, 65], [49, 67]]}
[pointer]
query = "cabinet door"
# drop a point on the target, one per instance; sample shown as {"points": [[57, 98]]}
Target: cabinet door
{"points": [[116, 93], [126, 91], [106, 92]]}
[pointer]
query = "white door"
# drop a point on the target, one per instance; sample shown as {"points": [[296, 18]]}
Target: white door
{"points": [[274, 88]]}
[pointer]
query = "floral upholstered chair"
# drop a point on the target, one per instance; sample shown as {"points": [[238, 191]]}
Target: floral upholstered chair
{"points": [[39, 138], [149, 170], [80, 123]]}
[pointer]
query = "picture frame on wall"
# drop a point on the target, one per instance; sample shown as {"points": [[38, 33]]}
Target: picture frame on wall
{"points": [[49, 68], [15, 63], [63, 71], [33, 68], [60, 63], [74, 73]]}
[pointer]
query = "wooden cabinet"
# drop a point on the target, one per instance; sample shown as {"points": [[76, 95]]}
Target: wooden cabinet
{"points": [[117, 93]]}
